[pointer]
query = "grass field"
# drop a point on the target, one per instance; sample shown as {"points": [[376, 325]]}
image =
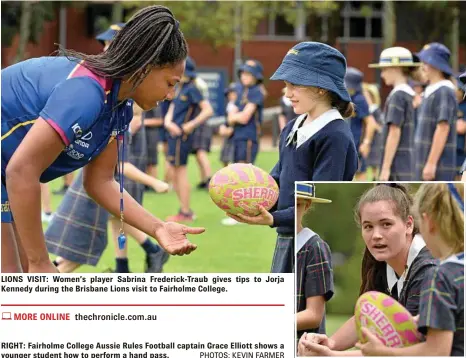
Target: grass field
{"points": [[222, 249]]}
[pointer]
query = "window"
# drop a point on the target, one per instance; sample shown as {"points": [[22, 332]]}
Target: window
{"points": [[282, 27], [361, 20]]}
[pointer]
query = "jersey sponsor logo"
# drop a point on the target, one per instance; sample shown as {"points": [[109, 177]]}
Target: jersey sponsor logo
{"points": [[77, 130], [87, 136], [82, 143], [6, 207], [73, 153]]}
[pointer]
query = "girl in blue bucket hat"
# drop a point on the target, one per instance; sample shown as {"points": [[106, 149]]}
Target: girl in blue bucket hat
{"points": [[435, 136], [362, 124], [189, 109], [317, 145], [246, 116]]}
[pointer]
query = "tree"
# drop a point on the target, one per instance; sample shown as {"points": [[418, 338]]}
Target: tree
{"points": [[220, 27], [33, 23]]}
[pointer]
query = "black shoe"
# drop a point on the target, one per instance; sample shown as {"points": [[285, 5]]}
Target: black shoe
{"points": [[204, 184], [155, 262]]}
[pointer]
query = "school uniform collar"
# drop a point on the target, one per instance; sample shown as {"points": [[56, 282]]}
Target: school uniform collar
{"points": [[404, 87], [432, 88], [303, 236], [457, 258], [416, 246], [302, 133]]}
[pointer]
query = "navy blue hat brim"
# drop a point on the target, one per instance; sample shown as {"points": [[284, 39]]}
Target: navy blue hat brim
{"points": [[435, 61], [252, 70], [304, 77]]}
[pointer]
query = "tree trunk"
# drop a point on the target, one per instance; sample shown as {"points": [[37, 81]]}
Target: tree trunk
{"points": [[389, 24], [117, 12], [24, 30], [455, 38]]}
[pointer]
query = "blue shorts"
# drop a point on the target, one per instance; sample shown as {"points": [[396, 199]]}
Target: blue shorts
{"points": [[6, 212], [362, 164], [163, 134], [245, 151], [179, 149]]}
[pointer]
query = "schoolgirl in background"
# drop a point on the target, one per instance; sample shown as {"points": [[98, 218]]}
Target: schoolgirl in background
{"points": [[439, 208], [316, 146], [397, 162], [246, 118], [153, 122], [228, 148], [362, 124], [202, 138], [372, 95], [314, 286], [188, 110], [435, 137], [460, 129]]}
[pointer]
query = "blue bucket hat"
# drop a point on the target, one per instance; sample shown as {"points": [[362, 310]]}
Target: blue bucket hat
{"points": [[436, 55], [190, 69], [110, 33], [353, 79], [314, 64], [232, 87], [254, 67]]}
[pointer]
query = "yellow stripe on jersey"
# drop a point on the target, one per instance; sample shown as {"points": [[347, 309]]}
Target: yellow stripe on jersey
{"points": [[16, 127]]}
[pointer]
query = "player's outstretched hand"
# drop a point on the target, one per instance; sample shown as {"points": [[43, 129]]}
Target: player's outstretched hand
{"points": [[172, 237]]}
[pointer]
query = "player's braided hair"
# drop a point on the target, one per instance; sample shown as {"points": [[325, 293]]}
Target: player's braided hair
{"points": [[151, 38], [402, 202]]}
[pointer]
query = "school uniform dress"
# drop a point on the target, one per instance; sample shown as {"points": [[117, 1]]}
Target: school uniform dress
{"points": [[323, 150], [442, 301], [399, 111], [314, 273], [246, 136], [357, 124], [374, 157], [186, 108], [407, 289], [461, 139], [153, 135], [439, 104], [80, 106]]}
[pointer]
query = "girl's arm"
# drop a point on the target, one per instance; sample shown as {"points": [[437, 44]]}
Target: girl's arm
{"points": [[133, 173], [206, 112], [244, 116], [38, 150], [100, 185]]}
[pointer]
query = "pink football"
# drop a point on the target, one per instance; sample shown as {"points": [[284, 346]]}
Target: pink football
{"points": [[242, 188], [386, 318]]}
